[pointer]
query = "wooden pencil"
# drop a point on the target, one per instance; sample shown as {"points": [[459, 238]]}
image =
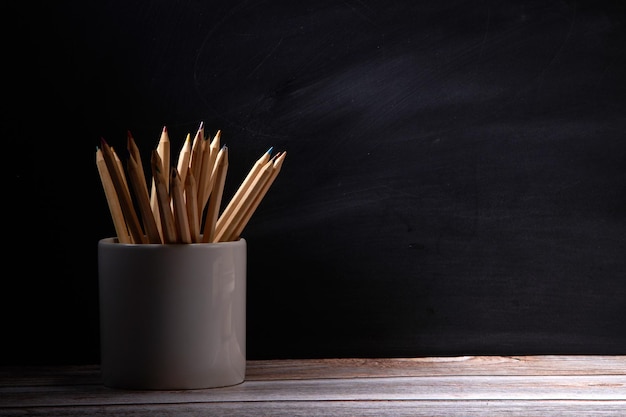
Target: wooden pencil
{"points": [[215, 199], [173, 210], [123, 194], [191, 202], [131, 146], [180, 209], [205, 187], [163, 149], [243, 187], [182, 164], [203, 178], [201, 129], [120, 166], [195, 162], [167, 217], [113, 202], [243, 221], [142, 197], [251, 192], [138, 182]]}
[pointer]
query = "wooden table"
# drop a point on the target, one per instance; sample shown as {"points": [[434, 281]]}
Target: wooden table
{"points": [[451, 386]]}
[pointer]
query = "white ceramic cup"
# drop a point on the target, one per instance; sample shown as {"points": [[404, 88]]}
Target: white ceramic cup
{"points": [[172, 316]]}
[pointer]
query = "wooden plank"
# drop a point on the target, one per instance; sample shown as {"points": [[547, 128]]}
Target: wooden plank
{"points": [[433, 366], [451, 386], [50, 375], [260, 370], [341, 409], [576, 387]]}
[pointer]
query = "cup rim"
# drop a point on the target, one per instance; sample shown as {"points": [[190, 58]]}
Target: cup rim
{"points": [[112, 241]]}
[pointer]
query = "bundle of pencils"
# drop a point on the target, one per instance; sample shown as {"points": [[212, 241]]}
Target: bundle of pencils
{"points": [[184, 201]]}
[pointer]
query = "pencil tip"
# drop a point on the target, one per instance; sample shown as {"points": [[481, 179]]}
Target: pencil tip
{"points": [[164, 129], [269, 151]]}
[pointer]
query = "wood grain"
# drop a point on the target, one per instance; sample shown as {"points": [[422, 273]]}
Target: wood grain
{"points": [[486, 386]]}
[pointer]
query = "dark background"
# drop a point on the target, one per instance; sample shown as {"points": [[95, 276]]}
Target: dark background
{"points": [[455, 180]]}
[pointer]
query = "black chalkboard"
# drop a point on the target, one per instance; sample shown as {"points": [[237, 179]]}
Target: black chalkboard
{"points": [[455, 181]]}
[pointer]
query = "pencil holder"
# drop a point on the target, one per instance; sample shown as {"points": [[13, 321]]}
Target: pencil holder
{"points": [[172, 316]]}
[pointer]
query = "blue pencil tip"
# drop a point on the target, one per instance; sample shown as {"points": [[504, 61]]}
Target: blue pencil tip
{"points": [[269, 151]]}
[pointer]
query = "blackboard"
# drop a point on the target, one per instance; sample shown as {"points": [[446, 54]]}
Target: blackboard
{"points": [[455, 181]]}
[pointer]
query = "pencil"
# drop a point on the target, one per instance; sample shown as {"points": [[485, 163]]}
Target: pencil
{"points": [[277, 165], [203, 178], [183, 205], [191, 201], [215, 200], [251, 192], [167, 217], [201, 129], [123, 194], [113, 202], [258, 165], [208, 168], [163, 149], [120, 167], [183, 159], [140, 188], [131, 146], [195, 163], [180, 209]]}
